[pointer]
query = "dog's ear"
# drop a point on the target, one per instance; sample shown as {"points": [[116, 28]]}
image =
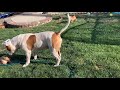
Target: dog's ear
{"points": [[7, 42]]}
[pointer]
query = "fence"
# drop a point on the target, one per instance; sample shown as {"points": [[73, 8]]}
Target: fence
{"points": [[54, 13]]}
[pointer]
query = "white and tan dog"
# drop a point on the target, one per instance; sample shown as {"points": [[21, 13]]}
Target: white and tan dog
{"points": [[33, 41]]}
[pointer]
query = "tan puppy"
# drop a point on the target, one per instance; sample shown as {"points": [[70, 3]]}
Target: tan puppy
{"points": [[4, 60], [73, 18], [37, 41]]}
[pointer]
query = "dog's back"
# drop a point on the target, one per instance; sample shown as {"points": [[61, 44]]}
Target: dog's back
{"points": [[41, 39]]}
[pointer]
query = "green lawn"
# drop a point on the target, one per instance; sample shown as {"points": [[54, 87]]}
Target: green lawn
{"points": [[90, 49]]}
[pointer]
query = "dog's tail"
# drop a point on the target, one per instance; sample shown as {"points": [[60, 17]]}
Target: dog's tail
{"points": [[66, 25]]}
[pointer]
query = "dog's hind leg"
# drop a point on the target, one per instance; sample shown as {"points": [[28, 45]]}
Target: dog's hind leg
{"points": [[28, 56], [55, 46], [59, 53], [57, 56]]}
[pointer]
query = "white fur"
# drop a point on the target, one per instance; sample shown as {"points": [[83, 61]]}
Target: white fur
{"points": [[43, 41]]}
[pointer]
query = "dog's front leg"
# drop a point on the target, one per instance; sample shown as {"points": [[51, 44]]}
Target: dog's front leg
{"points": [[28, 56]]}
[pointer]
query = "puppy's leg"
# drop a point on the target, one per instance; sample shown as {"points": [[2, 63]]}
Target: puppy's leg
{"points": [[28, 56]]}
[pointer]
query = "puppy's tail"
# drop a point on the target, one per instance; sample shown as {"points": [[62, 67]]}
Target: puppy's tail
{"points": [[66, 25]]}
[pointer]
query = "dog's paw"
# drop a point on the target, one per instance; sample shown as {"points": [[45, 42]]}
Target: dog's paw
{"points": [[56, 65], [25, 65], [35, 57]]}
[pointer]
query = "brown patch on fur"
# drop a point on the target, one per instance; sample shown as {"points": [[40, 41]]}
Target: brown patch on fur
{"points": [[8, 48], [56, 41], [31, 41]]}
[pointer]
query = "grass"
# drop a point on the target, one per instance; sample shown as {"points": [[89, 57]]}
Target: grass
{"points": [[90, 49]]}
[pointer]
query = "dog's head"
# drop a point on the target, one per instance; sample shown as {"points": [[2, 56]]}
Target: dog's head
{"points": [[9, 46]]}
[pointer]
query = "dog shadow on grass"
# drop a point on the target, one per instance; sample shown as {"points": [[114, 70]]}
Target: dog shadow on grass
{"points": [[21, 59]]}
